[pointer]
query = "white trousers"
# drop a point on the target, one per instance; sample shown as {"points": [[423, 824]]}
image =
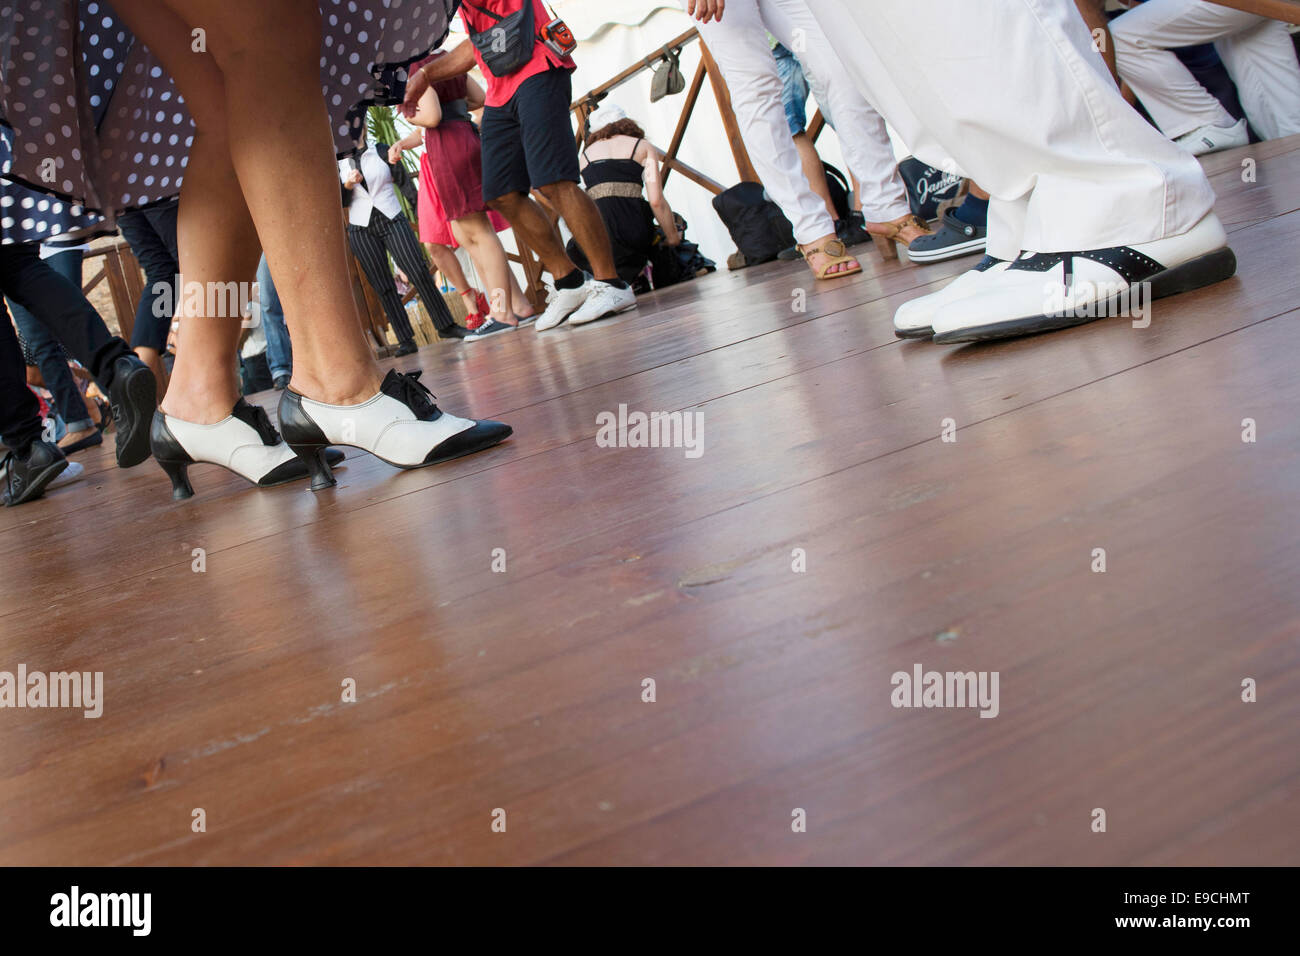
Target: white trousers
{"points": [[739, 44], [1012, 94], [1256, 51]]}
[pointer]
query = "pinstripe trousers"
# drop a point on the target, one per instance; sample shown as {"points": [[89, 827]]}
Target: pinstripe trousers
{"points": [[371, 244]]}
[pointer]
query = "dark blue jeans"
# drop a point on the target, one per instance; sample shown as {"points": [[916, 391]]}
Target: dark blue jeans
{"points": [[151, 234], [30, 282], [279, 350], [47, 351]]}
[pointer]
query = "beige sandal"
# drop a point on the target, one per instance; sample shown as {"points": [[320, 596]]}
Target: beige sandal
{"points": [[885, 234], [835, 253]]}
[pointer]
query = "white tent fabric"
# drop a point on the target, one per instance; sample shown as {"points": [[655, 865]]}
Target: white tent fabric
{"points": [[613, 34]]}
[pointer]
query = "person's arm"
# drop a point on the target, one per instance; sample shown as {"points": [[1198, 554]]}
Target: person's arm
{"points": [[474, 95], [459, 61], [411, 140], [429, 113], [654, 193]]}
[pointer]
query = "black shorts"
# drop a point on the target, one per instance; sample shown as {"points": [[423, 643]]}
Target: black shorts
{"points": [[528, 142]]}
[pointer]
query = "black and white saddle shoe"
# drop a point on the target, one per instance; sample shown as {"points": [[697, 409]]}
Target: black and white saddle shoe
{"points": [[1043, 292], [400, 425], [134, 396], [245, 442], [915, 318]]}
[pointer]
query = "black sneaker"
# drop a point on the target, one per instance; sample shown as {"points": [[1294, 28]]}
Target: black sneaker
{"points": [[410, 348], [134, 395], [25, 478], [281, 382], [490, 327], [455, 332]]}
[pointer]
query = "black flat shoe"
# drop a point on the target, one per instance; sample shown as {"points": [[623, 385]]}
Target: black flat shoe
{"points": [[134, 395], [455, 332], [410, 348], [25, 479]]}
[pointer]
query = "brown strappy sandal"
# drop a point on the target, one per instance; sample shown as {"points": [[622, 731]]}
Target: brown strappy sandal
{"points": [[884, 235], [835, 254]]}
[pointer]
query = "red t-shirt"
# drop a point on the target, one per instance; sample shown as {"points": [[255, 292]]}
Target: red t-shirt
{"points": [[501, 88]]}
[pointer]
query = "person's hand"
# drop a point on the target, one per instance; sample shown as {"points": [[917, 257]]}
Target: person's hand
{"points": [[394, 153], [401, 277], [353, 179], [705, 10], [416, 84]]}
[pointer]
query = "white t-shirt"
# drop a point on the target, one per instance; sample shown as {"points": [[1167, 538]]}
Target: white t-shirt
{"points": [[380, 193]]}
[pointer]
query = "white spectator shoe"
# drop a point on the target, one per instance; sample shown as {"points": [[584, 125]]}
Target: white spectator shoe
{"points": [[1042, 292], [915, 318], [400, 425]]}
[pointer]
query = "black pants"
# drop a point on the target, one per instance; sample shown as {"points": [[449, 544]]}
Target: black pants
{"points": [[151, 234], [20, 413], [384, 235], [59, 304]]}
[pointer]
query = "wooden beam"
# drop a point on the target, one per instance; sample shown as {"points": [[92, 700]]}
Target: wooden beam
{"points": [[688, 109], [596, 94]]}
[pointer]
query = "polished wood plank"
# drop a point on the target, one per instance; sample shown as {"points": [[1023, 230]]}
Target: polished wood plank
{"points": [[522, 690]]}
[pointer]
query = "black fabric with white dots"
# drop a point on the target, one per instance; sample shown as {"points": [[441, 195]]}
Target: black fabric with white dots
{"points": [[90, 117]]}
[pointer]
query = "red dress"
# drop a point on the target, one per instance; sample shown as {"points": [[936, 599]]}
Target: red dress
{"points": [[451, 169]]}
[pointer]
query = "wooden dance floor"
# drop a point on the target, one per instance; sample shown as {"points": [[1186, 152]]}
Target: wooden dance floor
{"points": [[479, 690]]}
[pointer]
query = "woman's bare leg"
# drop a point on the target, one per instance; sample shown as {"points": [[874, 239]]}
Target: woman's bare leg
{"points": [[444, 258], [214, 232], [267, 58], [489, 256]]}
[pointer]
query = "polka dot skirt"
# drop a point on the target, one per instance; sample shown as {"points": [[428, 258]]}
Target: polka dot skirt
{"points": [[91, 120]]}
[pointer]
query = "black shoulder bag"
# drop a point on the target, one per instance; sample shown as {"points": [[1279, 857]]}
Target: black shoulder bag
{"points": [[509, 45]]}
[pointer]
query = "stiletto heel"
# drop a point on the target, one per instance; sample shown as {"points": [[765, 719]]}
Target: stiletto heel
{"points": [[313, 456], [177, 471]]}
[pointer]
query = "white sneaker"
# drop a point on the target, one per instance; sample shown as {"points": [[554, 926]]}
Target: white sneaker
{"points": [[1211, 139], [603, 299], [561, 304], [400, 425], [1041, 292], [915, 318], [72, 473]]}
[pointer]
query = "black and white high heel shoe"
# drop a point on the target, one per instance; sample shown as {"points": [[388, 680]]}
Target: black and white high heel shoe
{"points": [[400, 425], [245, 442]]}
